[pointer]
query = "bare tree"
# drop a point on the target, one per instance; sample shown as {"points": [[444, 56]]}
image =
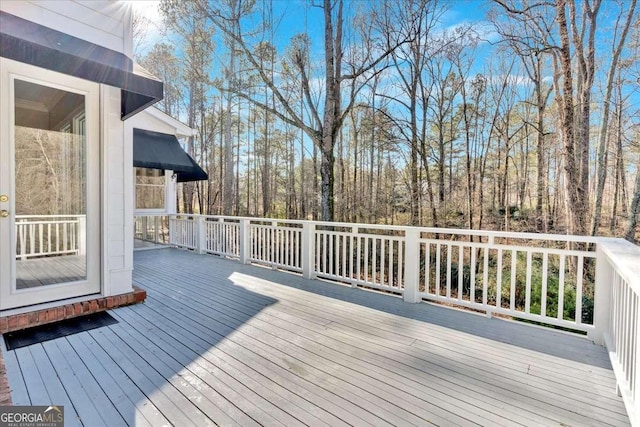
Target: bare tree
{"points": [[616, 51], [344, 71], [632, 222]]}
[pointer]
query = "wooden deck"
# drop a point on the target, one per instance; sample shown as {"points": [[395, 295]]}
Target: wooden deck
{"points": [[48, 271], [139, 244], [224, 343]]}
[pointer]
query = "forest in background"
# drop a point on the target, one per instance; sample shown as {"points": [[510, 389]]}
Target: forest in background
{"points": [[526, 120]]}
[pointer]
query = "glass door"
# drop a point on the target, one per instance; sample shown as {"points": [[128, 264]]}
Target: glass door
{"points": [[50, 147]]}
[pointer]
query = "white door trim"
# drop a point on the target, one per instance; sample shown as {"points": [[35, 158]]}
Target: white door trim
{"points": [[10, 297]]}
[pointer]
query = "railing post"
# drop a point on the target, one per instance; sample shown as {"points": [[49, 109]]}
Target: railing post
{"points": [[412, 265], [245, 241], [602, 297], [308, 250], [354, 232], [156, 234], [172, 229], [201, 234], [23, 240], [82, 235], [485, 280]]}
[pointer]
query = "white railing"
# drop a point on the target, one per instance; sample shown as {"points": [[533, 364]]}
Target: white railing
{"points": [[536, 277], [529, 276], [183, 232], [276, 244], [50, 235], [152, 228], [360, 255], [579, 283], [617, 313], [222, 236]]}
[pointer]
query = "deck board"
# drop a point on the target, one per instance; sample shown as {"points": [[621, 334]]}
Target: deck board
{"points": [[74, 383], [104, 367], [257, 381], [220, 342], [575, 417], [19, 394], [49, 270]]}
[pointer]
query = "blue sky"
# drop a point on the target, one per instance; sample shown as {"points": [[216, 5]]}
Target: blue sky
{"points": [[299, 16]]}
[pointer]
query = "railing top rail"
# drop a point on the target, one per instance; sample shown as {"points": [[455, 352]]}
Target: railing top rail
{"points": [[142, 214], [432, 230], [48, 216], [50, 222], [624, 257]]}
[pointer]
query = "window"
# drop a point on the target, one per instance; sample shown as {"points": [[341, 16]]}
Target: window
{"points": [[150, 188]]}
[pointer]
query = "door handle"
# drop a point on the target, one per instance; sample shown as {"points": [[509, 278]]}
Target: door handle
{"points": [[4, 213]]}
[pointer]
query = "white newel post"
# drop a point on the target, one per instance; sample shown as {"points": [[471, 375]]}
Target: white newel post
{"points": [[82, 235], [602, 297], [201, 234], [412, 265], [245, 241], [308, 250]]}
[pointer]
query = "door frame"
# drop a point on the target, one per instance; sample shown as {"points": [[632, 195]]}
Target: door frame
{"points": [[10, 297]]}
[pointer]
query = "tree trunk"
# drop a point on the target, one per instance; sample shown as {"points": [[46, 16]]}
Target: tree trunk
{"points": [[601, 164], [634, 211], [574, 190]]}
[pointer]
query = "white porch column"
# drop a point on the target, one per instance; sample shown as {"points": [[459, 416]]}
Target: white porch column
{"points": [[412, 266], [602, 297], [201, 234], [245, 241], [308, 250]]}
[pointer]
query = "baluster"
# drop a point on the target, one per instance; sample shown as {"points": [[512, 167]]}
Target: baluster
{"points": [[512, 296], [545, 272], [579, 286], [374, 259], [448, 290], [461, 250], [391, 251], [383, 243], [561, 286], [527, 295], [499, 280]]}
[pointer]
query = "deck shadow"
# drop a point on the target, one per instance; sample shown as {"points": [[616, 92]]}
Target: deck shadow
{"points": [[548, 341], [146, 368]]}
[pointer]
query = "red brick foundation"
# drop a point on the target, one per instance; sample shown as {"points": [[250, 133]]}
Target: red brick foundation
{"points": [[40, 317], [16, 322]]}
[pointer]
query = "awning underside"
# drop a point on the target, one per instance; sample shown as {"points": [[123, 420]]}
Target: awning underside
{"points": [[155, 150], [34, 44]]}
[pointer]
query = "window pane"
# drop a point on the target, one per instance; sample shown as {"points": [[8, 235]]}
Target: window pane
{"points": [[150, 188], [50, 183]]}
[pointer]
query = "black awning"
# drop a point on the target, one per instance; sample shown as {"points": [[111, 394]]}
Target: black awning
{"points": [[34, 44], [195, 174], [155, 150]]}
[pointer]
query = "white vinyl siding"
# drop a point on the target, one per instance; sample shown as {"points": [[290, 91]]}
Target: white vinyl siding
{"points": [[104, 23]]}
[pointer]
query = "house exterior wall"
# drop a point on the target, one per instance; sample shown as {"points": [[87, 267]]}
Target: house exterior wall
{"points": [[105, 23], [117, 203], [108, 24]]}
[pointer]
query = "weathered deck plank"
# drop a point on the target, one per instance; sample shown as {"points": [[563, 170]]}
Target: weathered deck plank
{"points": [[220, 342], [461, 368]]}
